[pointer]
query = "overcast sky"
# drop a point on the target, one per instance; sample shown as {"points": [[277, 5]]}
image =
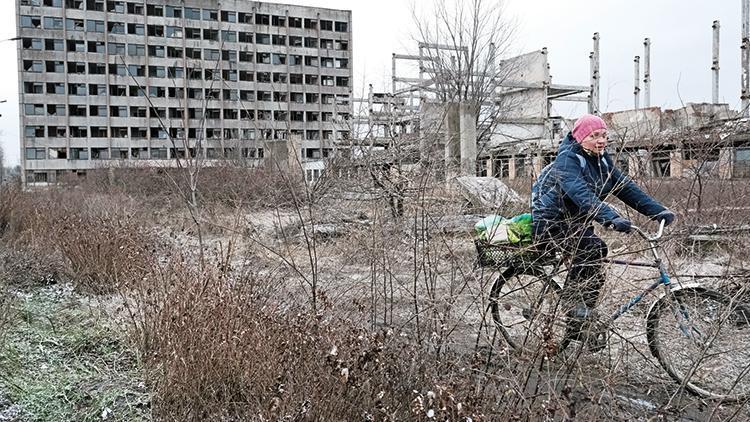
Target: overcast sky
{"points": [[680, 32]]}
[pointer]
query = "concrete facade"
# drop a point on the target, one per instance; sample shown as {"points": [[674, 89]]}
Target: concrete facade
{"points": [[107, 82]]}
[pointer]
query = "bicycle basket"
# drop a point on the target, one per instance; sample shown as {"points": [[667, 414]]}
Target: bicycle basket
{"points": [[503, 255]]}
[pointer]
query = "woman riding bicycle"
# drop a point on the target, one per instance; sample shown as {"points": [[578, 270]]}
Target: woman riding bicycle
{"points": [[566, 201]]}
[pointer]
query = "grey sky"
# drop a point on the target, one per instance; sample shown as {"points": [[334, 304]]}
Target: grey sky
{"points": [[680, 32]]}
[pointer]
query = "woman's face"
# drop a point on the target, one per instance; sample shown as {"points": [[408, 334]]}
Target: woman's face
{"points": [[596, 141]]}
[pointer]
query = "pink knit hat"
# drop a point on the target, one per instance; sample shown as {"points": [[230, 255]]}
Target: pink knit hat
{"points": [[587, 124]]}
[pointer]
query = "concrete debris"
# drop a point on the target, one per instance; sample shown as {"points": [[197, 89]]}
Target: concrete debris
{"points": [[458, 224], [486, 192], [325, 231]]}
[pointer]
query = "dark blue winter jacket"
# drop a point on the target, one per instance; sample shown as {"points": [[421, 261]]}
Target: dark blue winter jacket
{"points": [[572, 188]]}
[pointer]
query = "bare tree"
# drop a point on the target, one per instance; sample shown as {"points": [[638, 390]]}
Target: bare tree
{"points": [[464, 46]]}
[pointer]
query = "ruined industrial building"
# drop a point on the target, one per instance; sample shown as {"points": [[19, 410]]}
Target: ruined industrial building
{"points": [[117, 83], [104, 83]]}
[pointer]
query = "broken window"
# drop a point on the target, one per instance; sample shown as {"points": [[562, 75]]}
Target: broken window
{"points": [[77, 89], [135, 8], [55, 109], [660, 162], [244, 17], [98, 131], [193, 33], [59, 153], [261, 19], [77, 68], [501, 167], [154, 10], [34, 66], [118, 111], [211, 34], [136, 29], [173, 12], [119, 153], [116, 27], [341, 45], [100, 153], [95, 5], [119, 131], [96, 47], [33, 88], [156, 30], [227, 16], [210, 15], [80, 132], [74, 24], [246, 37], [32, 43], [54, 44], [34, 22], [174, 52], [98, 110], [115, 6]]}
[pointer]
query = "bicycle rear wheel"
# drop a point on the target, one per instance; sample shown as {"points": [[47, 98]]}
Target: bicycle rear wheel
{"points": [[524, 303], [702, 339]]}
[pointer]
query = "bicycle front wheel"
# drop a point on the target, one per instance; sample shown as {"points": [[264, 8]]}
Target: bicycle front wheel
{"points": [[525, 308], [702, 339]]}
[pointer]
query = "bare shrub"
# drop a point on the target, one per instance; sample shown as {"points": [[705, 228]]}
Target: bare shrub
{"points": [[100, 240], [30, 266], [223, 348]]}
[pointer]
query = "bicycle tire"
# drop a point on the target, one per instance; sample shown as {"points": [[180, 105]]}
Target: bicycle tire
{"points": [[710, 353], [524, 305]]}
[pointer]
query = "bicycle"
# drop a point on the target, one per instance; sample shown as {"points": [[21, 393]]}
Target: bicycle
{"points": [[700, 337]]}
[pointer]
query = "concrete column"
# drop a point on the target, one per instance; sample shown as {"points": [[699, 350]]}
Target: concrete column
{"points": [[452, 140], [537, 163], [643, 163], [468, 140], [675, 163], [726, 163], [491, 166], [512, 167]]}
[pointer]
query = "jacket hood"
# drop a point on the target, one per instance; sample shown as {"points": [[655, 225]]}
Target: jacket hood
{"points": [[568, 143]]}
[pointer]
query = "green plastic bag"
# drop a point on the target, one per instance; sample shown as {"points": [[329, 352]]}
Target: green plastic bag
{"points": [[496, 229]]}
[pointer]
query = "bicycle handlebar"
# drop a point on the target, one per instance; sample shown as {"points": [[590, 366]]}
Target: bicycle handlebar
{"points": [[646, 235]]}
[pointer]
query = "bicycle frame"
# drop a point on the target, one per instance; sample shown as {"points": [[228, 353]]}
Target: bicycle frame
{"points": [[658, 264]]}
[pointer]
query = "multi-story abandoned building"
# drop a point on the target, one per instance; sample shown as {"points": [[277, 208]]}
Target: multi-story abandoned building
{"points": [[106, 82]]}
